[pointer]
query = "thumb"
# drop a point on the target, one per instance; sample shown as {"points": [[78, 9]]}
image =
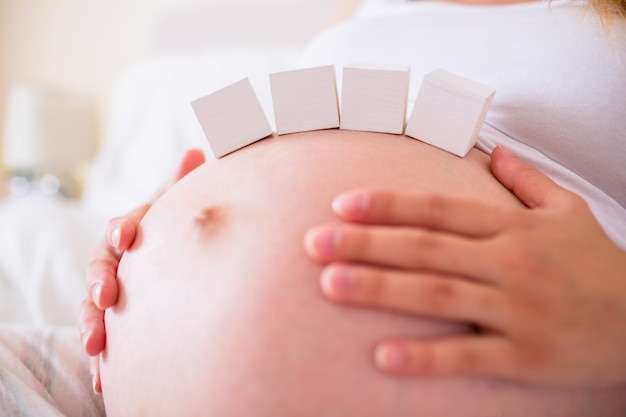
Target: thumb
{"points": [[530, 186], [192, 159]]}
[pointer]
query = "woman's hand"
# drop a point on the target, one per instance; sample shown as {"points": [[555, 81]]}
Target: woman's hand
{"points": [[544, 285], [101, 278]]}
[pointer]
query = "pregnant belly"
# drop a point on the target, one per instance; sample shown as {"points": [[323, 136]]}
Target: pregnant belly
{"points": [[220, 313]]}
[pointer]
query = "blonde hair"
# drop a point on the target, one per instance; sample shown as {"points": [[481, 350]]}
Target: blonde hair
{"points": [[609, 10]]}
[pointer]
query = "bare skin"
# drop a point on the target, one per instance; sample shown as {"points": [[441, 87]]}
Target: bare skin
{"points": [[524, 354], [524, 351], [544, 283], [101, 277], [201, 325]]}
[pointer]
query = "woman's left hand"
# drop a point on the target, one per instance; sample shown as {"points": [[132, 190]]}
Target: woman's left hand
{"points": [[101, 277], [544, 284]]}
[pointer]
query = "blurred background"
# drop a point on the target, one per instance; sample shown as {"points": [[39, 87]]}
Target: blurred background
{"points": [[60, 61], [95, 115]]}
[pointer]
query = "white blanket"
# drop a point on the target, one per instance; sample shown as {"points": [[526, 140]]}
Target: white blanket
{"points": [[43, 373]]}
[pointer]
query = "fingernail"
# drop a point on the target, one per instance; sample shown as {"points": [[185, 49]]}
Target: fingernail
{"points": [[325, 242], [84, 337], [337, 280], [95, 386], [96, 293], [116, 236], [352, 204], [392, 358]]}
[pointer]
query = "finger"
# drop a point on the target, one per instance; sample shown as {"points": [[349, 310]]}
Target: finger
{"points": [[101, 281], [400, 248], [91, 327], [121, 231], [489, 355], [101, 276], [94, 370], [532, 188], [192, 159], [120, 234], [423, 294], [418, 209]]}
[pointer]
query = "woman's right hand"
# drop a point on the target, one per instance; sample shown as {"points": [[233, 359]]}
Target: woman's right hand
{"points": [[101, 278]]}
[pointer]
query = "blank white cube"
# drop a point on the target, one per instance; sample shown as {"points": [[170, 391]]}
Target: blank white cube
{"points": [[449, 111], [232, 118], [305, 99], [374, 98]]}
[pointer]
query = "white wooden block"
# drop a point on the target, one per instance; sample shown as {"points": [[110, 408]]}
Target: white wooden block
{"points": [[232, 118], [449, 111], [374, 98], [305, 99]]}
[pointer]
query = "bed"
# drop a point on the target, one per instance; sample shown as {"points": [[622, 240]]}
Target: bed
{"points": [[46, 243]]}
